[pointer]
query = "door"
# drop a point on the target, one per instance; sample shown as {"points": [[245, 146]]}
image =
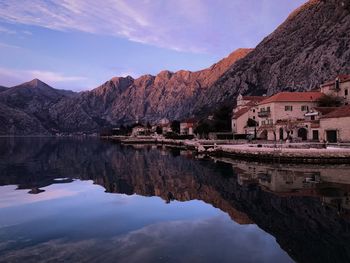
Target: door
{"points": [[315, 136], [302, 133], [332, 136]]}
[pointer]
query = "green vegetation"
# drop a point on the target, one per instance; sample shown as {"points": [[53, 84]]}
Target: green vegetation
{"points": [[329, 101]]}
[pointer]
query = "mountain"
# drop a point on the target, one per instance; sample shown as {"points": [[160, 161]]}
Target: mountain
{"points": [[25, 108], [147, 98], [310, 47], [2, 88]]}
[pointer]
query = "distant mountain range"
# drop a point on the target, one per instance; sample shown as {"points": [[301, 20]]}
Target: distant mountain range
{"points": [[310, 47]]}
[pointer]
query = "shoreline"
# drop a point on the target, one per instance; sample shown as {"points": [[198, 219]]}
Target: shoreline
{"points": [[304, 153]]}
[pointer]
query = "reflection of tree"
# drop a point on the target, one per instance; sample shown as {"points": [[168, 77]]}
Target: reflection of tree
{"points": [[306, 229]]}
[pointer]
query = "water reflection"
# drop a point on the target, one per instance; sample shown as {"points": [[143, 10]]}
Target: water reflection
{"points": [[306, 208]]}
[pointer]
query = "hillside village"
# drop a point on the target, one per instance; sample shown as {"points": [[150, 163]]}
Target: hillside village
{"points": [[317, 115], [320, 115]]}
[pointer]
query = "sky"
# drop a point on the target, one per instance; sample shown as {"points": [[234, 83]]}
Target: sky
{"points": [[79, 44]]}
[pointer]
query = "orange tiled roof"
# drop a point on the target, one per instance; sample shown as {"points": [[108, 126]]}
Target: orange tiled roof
{"points": [[308, 96], [240, 112], [338, 113], [254, 98], [192, 120]]}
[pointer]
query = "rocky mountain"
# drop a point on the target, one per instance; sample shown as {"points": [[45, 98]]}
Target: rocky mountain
{"points": [[2, 88], [25, 108], [310, 47], [148, 98]]}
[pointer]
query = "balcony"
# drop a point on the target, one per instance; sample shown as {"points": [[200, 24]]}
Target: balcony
{"points": [[264, 114]]}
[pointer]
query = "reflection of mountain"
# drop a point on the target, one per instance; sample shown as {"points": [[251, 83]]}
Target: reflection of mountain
{"points": [[307, 229]]}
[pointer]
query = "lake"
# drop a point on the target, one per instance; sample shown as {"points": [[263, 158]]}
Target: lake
{"points": [[87, 200]]}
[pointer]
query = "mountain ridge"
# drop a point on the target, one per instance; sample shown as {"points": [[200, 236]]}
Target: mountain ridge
{"points": [[311, 46]]}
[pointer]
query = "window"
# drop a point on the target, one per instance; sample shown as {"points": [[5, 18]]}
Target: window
{"points": [[312, 118], [346, 92], [268, 109], [253, 110], [304, 108], [253, 117], [288, 108]]}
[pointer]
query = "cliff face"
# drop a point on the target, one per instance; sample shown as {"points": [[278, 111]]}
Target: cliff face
{"points": [[25, 108], [36, 108], [310, 47], [148, 98]]}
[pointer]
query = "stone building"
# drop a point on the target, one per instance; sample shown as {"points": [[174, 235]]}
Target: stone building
{"points": [[335, 126], [187, 127], [295, 115], [340, 87]]}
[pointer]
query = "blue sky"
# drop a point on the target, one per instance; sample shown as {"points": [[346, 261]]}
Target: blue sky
{"points": [[79, 44]]}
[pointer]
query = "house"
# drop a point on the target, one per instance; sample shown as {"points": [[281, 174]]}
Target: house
{"points": [[244, 116], [166, 128], [139, 130], [295, 115], [335, 126], [281, 116], [244, 101], [312, 121], [245, 121], [187, 127], [339, 87]]}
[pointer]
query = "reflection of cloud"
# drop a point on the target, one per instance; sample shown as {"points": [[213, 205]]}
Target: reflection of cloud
{"points": [[11, 197], [211, 240]]}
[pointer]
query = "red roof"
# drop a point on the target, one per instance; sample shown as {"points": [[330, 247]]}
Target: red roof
{"points": [[309, 96], [342, 78], [240, 112], [189, 121], [254, 98], [338, 113]]}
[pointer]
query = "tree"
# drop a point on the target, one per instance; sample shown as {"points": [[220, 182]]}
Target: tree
{"points": [[329, 101], [175, 126], [222, 119], [203, 128], [159, 130]]}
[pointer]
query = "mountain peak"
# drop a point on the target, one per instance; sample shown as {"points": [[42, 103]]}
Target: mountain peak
{"points": [[36, 83]]}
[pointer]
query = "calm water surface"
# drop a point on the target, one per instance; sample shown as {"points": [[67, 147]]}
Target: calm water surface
{"points": [[85, 200]]}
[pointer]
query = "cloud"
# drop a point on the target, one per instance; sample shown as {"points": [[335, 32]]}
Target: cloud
{"points": [[26, 32], [200, 26], [7, 31], [4, 45], [10, 77]]}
